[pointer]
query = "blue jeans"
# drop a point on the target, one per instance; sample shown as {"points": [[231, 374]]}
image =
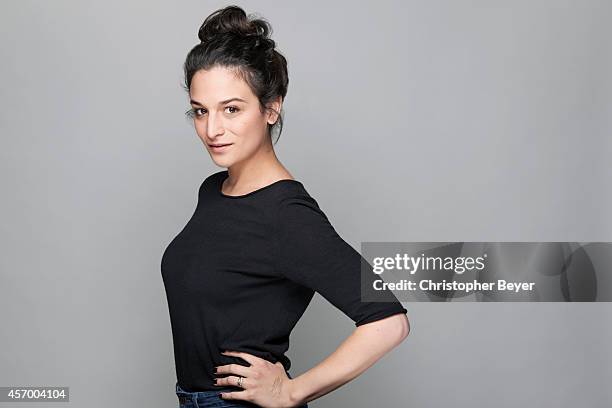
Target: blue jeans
{"points": [[211, 399]]}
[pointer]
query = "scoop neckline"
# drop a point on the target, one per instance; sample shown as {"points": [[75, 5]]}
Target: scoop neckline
{"points": [[225, 175]]}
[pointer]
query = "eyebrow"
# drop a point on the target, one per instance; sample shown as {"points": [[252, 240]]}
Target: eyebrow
{"points": [[220, 103]]}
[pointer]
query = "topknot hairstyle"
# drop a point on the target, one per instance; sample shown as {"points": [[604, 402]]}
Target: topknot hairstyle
{"points": [[231, 39]]}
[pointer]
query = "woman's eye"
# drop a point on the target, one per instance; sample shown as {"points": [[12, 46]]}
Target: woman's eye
{"points": [[198, 112], [194, 112]]}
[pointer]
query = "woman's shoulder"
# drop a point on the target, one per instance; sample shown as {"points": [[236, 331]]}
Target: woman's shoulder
{"points": [[292, 191], [295, 202]]}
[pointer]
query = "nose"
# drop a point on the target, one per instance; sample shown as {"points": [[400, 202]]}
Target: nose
{"points": [[214, 126]]}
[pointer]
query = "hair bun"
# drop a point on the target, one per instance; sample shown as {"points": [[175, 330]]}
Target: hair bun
{"points": [[234, 21]]}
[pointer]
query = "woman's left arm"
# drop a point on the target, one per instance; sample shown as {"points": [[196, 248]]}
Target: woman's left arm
{"points": [[364, 347]]}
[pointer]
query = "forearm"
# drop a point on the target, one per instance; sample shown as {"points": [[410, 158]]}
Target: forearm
{"points": [[366, 345]]}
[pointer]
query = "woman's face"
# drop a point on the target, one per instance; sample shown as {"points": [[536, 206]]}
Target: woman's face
{"points": [[226, 112]]}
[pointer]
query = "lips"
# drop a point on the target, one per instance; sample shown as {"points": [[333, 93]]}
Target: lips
{"points": [[219, 148]]}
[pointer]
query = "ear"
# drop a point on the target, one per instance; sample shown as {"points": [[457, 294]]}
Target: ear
{"points": [[272, 116]]}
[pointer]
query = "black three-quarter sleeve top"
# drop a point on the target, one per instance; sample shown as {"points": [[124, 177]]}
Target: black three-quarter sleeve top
{"points": [[244, 268]]}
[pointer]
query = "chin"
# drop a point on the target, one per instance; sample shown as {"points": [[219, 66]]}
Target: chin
{"points": [[221, 161]]}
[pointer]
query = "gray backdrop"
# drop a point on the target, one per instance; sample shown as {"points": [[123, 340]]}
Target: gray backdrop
{"points": [[407, 121]]}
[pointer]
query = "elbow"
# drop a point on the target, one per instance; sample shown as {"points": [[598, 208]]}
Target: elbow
{"points": [[401, 329], [404, 327], [391, 330]]}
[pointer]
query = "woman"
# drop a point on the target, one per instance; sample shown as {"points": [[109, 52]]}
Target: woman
{"points": [[243, 270]]}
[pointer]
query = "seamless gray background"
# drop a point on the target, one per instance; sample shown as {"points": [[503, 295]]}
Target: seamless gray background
{"points": [[407, 121]]}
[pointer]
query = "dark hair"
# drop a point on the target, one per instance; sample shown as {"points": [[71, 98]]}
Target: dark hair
{"points": [[231, 39]]}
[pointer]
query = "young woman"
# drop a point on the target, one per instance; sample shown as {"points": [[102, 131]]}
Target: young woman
{"points": [[242, 271]]}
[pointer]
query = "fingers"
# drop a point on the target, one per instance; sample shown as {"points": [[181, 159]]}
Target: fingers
{"points": [[236, 369], [233, 380], [236, 395], [251, 359]]}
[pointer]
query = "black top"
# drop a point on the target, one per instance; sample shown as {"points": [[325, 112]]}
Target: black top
{"points": [[243, 270]]}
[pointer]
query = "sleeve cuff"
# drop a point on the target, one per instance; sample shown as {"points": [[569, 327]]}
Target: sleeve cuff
{"points": [[382, 314]]}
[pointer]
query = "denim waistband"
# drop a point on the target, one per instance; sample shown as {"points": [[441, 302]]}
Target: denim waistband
{"points": [[186, 396], [194, 397], [210, 398]]}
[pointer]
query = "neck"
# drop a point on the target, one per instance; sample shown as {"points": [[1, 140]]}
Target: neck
{"points": [[258, 170]]}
